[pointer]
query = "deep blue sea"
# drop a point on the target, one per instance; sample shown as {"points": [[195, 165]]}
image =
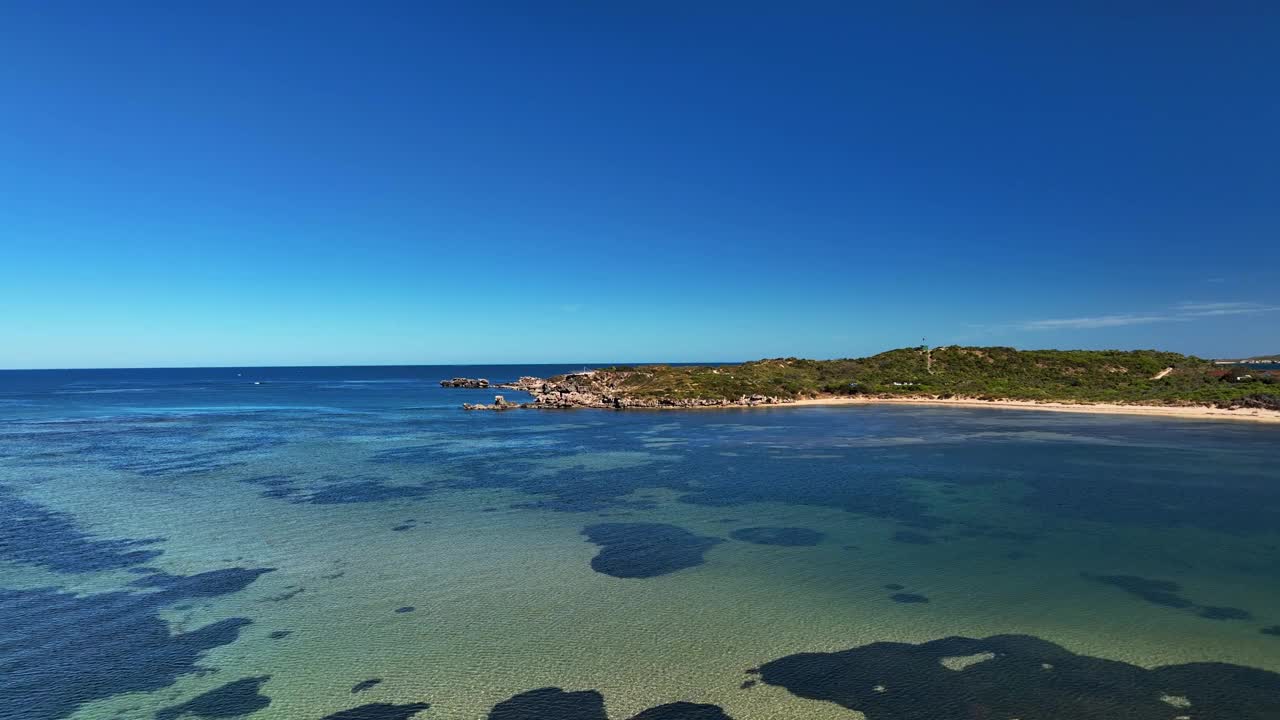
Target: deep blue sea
{"points": [[348, 544]]}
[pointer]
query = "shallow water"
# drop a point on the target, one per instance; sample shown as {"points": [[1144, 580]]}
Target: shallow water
{"points": [[266, 543]]}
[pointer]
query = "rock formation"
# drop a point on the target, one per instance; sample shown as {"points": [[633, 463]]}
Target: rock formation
{"points": [[461, 382], [499, 403], [596, 390]]}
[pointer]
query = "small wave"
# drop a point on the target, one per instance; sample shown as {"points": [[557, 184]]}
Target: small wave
{"points": [[103, 391], [234, 409]]}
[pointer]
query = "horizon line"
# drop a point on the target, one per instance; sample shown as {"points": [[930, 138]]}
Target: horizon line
{"points": [[369, 365], [1212, 358]]}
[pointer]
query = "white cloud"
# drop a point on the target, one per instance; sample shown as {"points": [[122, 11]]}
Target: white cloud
{"points": [[1098, 321], [1181, 312], [1192, 309]]}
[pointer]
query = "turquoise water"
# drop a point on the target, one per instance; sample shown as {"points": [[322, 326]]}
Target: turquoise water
{"points": [[346, 543]]}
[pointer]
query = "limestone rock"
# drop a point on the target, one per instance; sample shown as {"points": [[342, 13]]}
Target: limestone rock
{"points": [[461, 382]]}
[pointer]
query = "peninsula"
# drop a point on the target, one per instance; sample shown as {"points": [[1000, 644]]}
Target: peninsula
{"points": [[1141, 381]]}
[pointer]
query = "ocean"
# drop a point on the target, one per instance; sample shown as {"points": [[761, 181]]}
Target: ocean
{"points": [[348, 544]]}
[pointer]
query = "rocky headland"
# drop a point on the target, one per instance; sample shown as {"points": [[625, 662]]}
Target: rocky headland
{"points": [[470, 383], [1144, 381], [603, 389]]}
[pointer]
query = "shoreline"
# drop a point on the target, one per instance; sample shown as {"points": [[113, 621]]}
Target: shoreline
{"points": [[1190, 412], [609, 390]]}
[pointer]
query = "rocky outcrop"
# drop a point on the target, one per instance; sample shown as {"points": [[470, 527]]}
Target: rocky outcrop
{"points": [[461, 382], [524, 383], [597, 390], [1257, 401], [499, 403]]}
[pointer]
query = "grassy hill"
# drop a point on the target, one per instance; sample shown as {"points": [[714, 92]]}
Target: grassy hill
{"points": [[974, 372]]}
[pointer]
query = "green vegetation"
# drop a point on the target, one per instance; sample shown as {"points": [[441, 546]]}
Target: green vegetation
{"points": [[988, 373]]}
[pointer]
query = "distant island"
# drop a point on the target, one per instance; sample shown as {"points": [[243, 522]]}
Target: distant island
{"points": [[1258, 360], [1074, 379]]}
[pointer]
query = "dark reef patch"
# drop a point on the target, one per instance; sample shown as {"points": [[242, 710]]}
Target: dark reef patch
{"points": [[683, 711], [913, 538], [585, 503], [788, 536], [556, 704], [406, 609], [365, 685], [379, 711], [280, 634], [235, 699], [362, 491], [1165, 593], [644, 550], [59, 650], [1273, 630], [274, 486], [1156, 592], [908, 598], [895, 586], [1215, 612], [1024, 677], [336, 490], [206, 584], [402, 528], [549, 703], [33, 534]]}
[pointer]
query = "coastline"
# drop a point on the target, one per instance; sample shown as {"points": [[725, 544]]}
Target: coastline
{"points": [[1190, 412], [667, 388]]}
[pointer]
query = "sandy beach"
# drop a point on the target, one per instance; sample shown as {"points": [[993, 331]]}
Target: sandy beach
{"points": [[1188, 412]]}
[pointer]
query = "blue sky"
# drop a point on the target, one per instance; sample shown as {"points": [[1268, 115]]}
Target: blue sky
{"points": [[327, 183]]}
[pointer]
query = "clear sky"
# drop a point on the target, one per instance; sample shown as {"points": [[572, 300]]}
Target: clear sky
{"points": [[214, 183]]}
